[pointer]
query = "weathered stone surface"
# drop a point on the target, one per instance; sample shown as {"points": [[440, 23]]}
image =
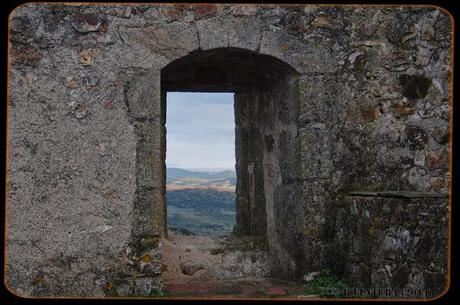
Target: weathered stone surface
{"points": [[437, 160], [414, 86], [87, 56], [417, 137], [87, 22], [316, 155], [245, 10], [205, 10], [148, 214], [245, 33], [28, 56], [322, 99], [191, 258], [149, 160], [190, 268], [312, 59], [157, 39], [144, 286], [395, 232], [143, 95]]}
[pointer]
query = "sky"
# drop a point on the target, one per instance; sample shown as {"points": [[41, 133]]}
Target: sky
{"points": [[200, 131]]}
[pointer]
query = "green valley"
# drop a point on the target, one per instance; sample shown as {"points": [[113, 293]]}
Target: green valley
{"points": [[200, 203]]}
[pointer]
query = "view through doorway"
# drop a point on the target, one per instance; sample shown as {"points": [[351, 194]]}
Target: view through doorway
{"points": [[200, 160], [201, 198]]}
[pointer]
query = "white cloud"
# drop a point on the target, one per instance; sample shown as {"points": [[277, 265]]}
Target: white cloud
{"points": [[200, 130]]}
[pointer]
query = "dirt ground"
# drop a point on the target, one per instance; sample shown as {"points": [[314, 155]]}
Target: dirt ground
{"points": [[207, 266]]}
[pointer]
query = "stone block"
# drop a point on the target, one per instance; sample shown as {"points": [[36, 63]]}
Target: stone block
{"points": [[302, 56], [171, 40], [148, 213], [144, 95], [213, 32], [245, 33], [149, 154]]}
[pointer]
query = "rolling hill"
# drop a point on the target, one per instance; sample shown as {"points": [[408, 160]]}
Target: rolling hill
{"points": [[200, 203], [173, 174]]}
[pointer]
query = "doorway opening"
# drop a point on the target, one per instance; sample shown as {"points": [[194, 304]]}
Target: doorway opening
{"points": [[200, 163]]}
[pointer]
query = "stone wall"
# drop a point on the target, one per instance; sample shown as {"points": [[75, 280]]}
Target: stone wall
{"points": [[85, 204], [391, 242], [379, 120]]}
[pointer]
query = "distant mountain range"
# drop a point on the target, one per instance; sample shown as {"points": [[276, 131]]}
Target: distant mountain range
{"points": [[173, 173]]}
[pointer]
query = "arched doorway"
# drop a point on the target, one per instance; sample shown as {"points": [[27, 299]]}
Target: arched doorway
{"points": [[265, 115], [266, 110]]}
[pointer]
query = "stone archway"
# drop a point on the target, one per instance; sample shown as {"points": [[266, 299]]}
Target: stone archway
{"points": [[266, 106], [268, 150]]}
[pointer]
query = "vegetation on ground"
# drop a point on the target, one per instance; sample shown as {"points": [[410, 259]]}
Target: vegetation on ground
{"points": [[326, 284]]}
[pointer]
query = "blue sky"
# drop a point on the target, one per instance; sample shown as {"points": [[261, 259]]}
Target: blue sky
{"points": [[200, 130]]}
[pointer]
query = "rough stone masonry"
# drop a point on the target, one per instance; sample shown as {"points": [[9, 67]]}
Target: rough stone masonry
{"points": [[342, 139]]}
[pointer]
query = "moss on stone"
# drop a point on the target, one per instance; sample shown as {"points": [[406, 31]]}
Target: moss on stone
{"points": [[110, 289], [39, 279], [251, 242], [149, 243], [146, 258], [376, 225], [312, 233]]}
